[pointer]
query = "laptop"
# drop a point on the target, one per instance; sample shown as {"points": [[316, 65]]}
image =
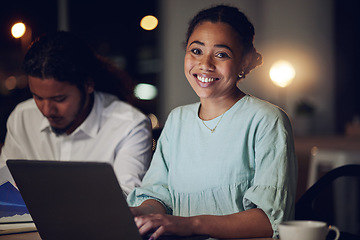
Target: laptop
{"points": [[75, 200]]}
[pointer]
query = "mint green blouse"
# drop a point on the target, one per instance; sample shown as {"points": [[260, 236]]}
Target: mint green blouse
{"points": [[247, 162]]}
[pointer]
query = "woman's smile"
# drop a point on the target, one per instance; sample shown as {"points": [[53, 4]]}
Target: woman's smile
{"points": [[205, 79], [213, 60]]}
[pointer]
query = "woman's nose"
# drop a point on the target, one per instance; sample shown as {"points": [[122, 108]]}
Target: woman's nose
{"points": [[207, 64]]}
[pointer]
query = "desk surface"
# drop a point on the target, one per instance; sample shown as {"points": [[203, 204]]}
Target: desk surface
{"points": [[24, 236], [35, 236]]}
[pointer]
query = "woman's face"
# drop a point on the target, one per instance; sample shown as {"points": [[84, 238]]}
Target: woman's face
{"points": [[213, 60]]}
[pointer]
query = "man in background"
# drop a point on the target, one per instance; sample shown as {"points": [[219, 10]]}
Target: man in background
{"points": [[72, 116]]}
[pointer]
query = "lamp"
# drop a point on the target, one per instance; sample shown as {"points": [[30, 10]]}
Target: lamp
{"points": [[21, 31], [18, 30], [282, 74]]}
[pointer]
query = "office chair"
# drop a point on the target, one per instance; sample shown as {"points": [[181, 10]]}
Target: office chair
{"points": [[335, 199]]}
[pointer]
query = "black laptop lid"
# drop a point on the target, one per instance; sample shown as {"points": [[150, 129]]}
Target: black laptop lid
{"points": [[74, 200]]}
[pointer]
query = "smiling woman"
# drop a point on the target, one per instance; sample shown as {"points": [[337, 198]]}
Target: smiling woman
{"points": [[212, 64], [225, 166]]}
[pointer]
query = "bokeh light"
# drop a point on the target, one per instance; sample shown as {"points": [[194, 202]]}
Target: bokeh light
{"points": [[10, 83], [154, 121], [149, 22], [145, 91], [282, 73], [18, 30]]}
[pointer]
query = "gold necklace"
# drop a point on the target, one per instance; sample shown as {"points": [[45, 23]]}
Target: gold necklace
{"points": [[213, 129]]}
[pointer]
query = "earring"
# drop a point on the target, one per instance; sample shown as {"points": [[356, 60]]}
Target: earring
{"points": [[241, 74]]}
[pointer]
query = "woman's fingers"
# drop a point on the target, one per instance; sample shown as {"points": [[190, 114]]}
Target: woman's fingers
{"points": [[148, 222], [160, 231], [161, 223], [146, 227]]}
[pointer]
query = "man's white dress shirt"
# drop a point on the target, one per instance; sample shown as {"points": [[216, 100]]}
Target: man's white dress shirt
{"points": [[114, 132]]}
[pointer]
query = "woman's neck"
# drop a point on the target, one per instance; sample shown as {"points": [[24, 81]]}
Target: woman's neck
{"points": [[211, 108]]}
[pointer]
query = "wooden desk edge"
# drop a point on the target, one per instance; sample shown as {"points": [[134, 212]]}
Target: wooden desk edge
{"points": [[36, 236]]}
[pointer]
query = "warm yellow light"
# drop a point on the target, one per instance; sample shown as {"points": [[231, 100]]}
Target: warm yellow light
{"points": [[18, 30], [154, 121], [149, 22], [282, 73], [10, 83]]}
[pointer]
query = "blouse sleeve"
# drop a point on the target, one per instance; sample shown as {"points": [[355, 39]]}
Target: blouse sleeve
{"points": [[155, 182], [274, 186]]}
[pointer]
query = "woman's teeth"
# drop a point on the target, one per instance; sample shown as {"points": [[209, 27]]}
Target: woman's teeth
{"points": [[205, 79]]}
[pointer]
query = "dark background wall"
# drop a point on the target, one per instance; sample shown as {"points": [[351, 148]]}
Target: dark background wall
{"points": [[347, 67]]}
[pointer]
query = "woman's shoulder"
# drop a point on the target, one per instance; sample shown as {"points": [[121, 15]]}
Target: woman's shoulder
{"points": [[182, 114], [261, 107], [185, 110], [254, 109]]}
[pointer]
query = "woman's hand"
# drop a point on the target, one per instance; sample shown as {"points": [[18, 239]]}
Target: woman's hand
{"points": [[147, 207], [136, 211], [252, 223], [163, 223], [151, 216]]}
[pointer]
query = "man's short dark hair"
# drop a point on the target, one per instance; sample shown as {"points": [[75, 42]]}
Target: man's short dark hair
{"points": [[67, 58], [62, 56]]}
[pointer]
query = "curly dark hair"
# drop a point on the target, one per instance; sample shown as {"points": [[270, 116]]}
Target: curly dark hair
{"points": [[67, 58], [238, 21]]}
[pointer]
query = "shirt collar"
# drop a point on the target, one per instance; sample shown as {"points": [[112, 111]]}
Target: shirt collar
{"points": [[91, 125], [45, 126]]}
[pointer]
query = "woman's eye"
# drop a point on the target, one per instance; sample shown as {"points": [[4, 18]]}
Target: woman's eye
{"points": [[222, 55], [196, 51]]}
